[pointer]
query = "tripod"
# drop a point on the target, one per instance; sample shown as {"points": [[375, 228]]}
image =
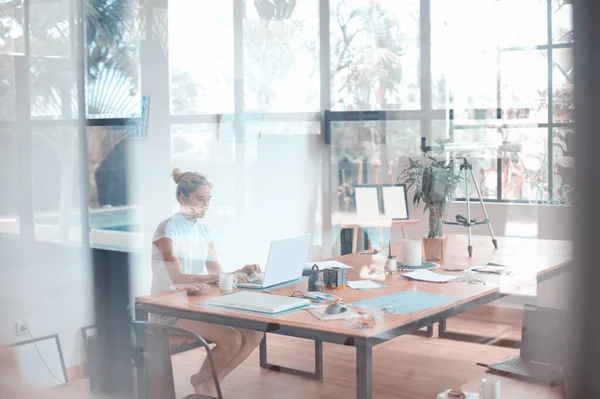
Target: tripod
{"points": [[467, 168]]}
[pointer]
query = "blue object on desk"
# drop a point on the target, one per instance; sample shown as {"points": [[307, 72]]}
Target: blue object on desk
{"points": [[275, 287], [406, 302]]}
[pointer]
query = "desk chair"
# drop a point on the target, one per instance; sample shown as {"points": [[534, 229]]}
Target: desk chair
{"points": [[152, 357]]}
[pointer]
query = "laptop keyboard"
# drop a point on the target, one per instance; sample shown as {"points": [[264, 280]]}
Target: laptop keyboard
{"points": [[515, 362], [257, 277]]}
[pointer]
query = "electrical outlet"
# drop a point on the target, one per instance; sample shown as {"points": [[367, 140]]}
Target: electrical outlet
{"points": [[21, 328]]}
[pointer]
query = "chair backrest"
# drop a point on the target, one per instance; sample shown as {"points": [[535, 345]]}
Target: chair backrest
{"points": [[153, 359]]}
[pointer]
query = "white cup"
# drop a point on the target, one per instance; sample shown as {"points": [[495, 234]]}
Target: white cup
{"points": [[490, 388], [227, 282], [411, 252]]}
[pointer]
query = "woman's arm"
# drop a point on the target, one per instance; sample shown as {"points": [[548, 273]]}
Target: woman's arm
{"points": [[174, 269], [213, 265]]}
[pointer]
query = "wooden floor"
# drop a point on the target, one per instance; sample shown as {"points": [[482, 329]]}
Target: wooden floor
{"points": [[408, 367]]}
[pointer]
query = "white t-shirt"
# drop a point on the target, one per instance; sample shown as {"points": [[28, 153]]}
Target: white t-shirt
{"points": [[191, 241]]}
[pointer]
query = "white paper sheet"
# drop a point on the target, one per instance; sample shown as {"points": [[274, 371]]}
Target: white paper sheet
{"points": [[394, 202], [364, 285], [426, 275], [327, 264], [367, 203]]}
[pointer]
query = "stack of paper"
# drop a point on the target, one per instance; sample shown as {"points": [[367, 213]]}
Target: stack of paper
{"points": [[426, 275], [327, 264], [365, 285]]}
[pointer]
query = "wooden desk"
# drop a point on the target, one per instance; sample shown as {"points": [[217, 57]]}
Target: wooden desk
{"points": [[541, 257], [348, 220], [511, 388]]}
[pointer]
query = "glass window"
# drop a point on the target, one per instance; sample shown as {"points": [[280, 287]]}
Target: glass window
{"points": [[564, 165], [281, 58], [375, 55], [114, 218], [9, 205], [562, 21], [50, 28], [56, 195], [525, 166], [7, 88], [564, 85], [11, 28], [113, 65], [522, 23], [202, 72], [524, 85], [53, 88], [464, 65]]}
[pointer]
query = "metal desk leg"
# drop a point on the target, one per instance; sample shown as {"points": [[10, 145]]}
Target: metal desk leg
{"points": [[364, 368], [317, 375], [421, 333], [443, 333], [141, 315]]}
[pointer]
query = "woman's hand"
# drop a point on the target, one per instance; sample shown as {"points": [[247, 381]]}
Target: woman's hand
{"points": [[251, 269], [241, 277]]}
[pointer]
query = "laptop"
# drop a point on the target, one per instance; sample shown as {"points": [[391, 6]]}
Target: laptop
{"points": [[285, 263], [542, 342], [258, 302]]}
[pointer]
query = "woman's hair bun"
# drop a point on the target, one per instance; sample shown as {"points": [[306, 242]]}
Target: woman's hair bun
{"points": [[177, 173]]}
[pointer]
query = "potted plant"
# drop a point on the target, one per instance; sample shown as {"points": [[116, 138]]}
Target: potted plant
{"points": [[435, 183]]}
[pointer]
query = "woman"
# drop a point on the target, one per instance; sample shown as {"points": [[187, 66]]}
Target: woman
{"points": [[183, 251]]}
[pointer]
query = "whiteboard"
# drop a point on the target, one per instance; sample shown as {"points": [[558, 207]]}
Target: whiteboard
{"points": [[367, 203], [31, 367], [394, 202]]}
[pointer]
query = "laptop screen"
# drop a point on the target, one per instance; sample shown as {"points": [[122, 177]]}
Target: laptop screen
{"points": [[543, 335]]}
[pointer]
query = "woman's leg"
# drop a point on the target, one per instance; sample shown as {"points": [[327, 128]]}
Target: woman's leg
{"points": [[250, 340], [228, 342]]}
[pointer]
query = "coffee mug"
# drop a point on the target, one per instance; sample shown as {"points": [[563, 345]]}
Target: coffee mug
{"points": [[490, 388], [227, 282]]}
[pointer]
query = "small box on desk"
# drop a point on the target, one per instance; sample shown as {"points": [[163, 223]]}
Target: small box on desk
{"points": [[335, 277]]}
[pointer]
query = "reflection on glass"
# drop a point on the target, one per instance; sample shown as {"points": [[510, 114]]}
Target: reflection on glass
{"points": [[9, 206], [53, 92], [562, 21], [113, 65], [281, 60], [486, 177], [524, 85], [464, 65], [201, 56], [525, 166], [7, 88], [11, 32], [375, 54], [564, 165], [209, 149], [114, 217], [564, 85], [50, 28], [56, 195]]}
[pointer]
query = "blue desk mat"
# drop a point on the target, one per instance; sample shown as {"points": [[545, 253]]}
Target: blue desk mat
{"points": [[276, 287], [406, 302], [209, 305]]}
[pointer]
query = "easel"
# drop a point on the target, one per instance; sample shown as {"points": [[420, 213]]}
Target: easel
{"points": [[466, 168]]}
